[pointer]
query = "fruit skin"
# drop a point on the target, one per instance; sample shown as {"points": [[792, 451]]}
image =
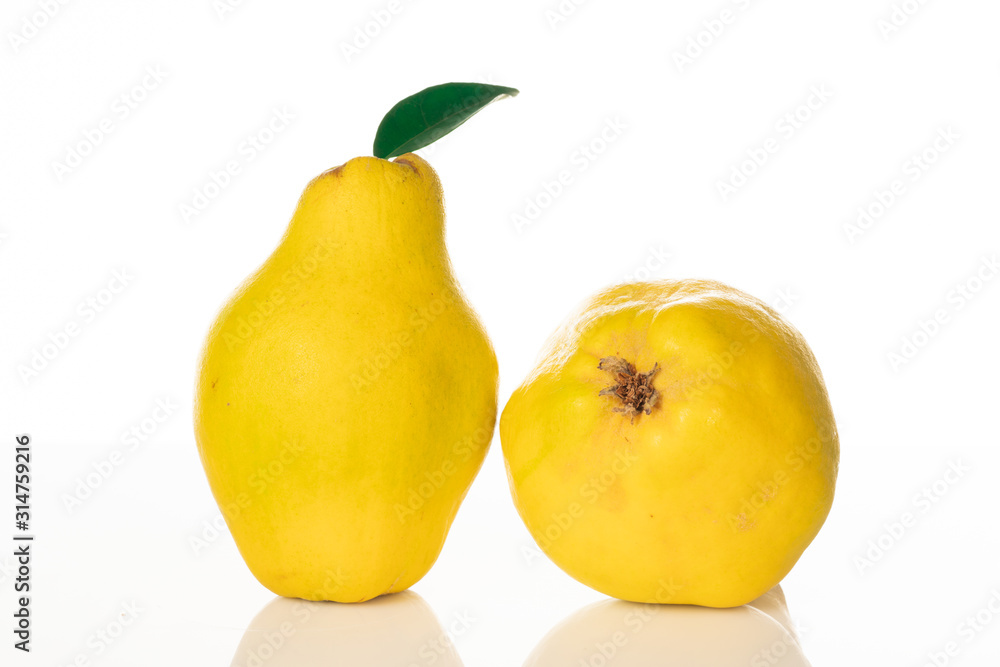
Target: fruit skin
{"points": [[710, 498], [347, 393]]}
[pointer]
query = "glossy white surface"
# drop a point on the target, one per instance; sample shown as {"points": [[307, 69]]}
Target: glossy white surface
{"points": [[625, 633]]}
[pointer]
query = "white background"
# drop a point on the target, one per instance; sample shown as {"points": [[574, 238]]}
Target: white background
{"points": [[652, 191]]}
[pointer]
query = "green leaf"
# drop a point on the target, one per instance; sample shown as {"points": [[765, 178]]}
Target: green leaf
{"points": [[421, 119]]}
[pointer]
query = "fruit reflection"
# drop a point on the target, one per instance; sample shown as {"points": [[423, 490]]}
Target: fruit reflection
{"points": [[398, 629], [628, 634]]}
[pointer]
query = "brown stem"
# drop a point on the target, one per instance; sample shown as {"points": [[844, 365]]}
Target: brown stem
{"points": [[634, 390]]}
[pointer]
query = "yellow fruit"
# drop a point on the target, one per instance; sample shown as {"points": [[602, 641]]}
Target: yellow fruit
{"points": [[347, 392], [674, 444]]}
